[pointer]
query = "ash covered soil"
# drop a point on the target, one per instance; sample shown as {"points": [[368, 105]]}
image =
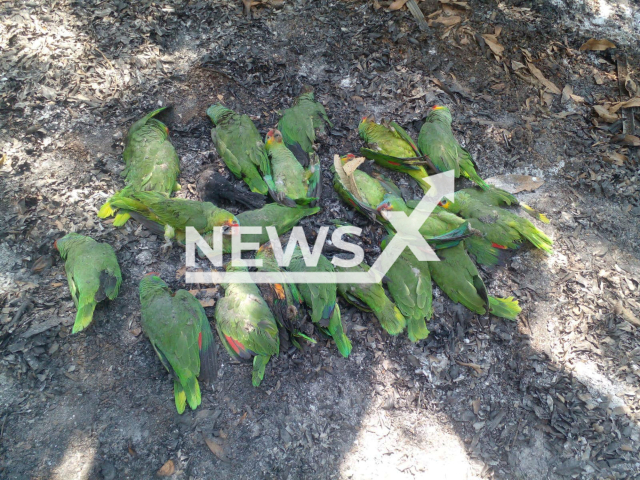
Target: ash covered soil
{"points": [[553, 395]]}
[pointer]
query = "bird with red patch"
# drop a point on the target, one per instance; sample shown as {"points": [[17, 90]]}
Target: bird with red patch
{"points": [[179, 331], [245, 325]]}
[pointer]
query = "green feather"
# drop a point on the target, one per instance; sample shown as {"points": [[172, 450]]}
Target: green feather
{"points": [[92, 272]]}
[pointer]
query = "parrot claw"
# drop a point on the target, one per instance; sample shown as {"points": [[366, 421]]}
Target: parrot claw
{"points": [[166, 247]]}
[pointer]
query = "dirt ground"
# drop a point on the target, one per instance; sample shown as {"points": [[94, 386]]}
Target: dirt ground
{"points": [[553, 395]]}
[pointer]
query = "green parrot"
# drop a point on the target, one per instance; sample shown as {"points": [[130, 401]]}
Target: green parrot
{"points": [[284, 299], [458, 277], [370, 297], [437, 141], [366, 193], [301, 124], [176, 214], [179, 331], [240, 146], [321, 297], [151, 163], [289, 182], [93, 274], [393, 148], [410, 286], [499, 198], [500, 226], [441, 221], [246, 326]]}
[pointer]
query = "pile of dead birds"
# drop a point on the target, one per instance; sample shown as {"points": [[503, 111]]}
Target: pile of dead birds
{"points": [[255, 321]]}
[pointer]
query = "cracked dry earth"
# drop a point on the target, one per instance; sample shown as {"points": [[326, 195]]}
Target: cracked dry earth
{"points": [[553, 395]]}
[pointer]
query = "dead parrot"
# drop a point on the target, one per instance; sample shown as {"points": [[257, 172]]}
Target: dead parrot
{"points": [[283, 298], [240, 146], [151, 163], [459, 279], [289, 182], [500, 226], [393, 148], [93, 274], [176, 214], [370, 297], [246, 326], [321, 298], [301, 124], [410, 286], [178, 329]]}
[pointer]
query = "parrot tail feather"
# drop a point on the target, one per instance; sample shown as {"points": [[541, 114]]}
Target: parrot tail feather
{"points": [[504, 307], [84, 316], [475, 178], [391, 319], [534, 213], [257, 184], [417, 329], [121, 219], [537, 237], [259, 365], [337, 332], [180, 397], [106, 210], [192, 392]]}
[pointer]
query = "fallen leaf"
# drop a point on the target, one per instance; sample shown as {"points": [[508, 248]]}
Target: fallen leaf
{"points": [[535, 71], [448, 21], [463, 5], [207, 302], [567, 91], [593, 44], [605, 114], [167, 469], [626, 314], [397, 5], [57, 284], [627, 140], [515, 65], [598, 79], [136, 331], [493, 43], [216, 449], [615, 158], [352, 165], [514, 183], [180, 273], [477, 368], [634, 102]]}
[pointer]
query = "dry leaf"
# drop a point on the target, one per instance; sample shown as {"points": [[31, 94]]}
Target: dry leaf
{"points": [[180, 273], [397, 5], [463, 5], [605, 114], [216, 448], [627, 140], [448, 21], [57, 284], [593, 44], [567, 91], [515, 65], [493, 43], [477, 368], [615, 158], [167, 469], [598, 79], [514, 183], [547, 83], [352, 165], [207, 302], [497, 31], [634, 102]]}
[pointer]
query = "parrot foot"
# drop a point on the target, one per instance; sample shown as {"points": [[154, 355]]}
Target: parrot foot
{"points": [[166, 247]]}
